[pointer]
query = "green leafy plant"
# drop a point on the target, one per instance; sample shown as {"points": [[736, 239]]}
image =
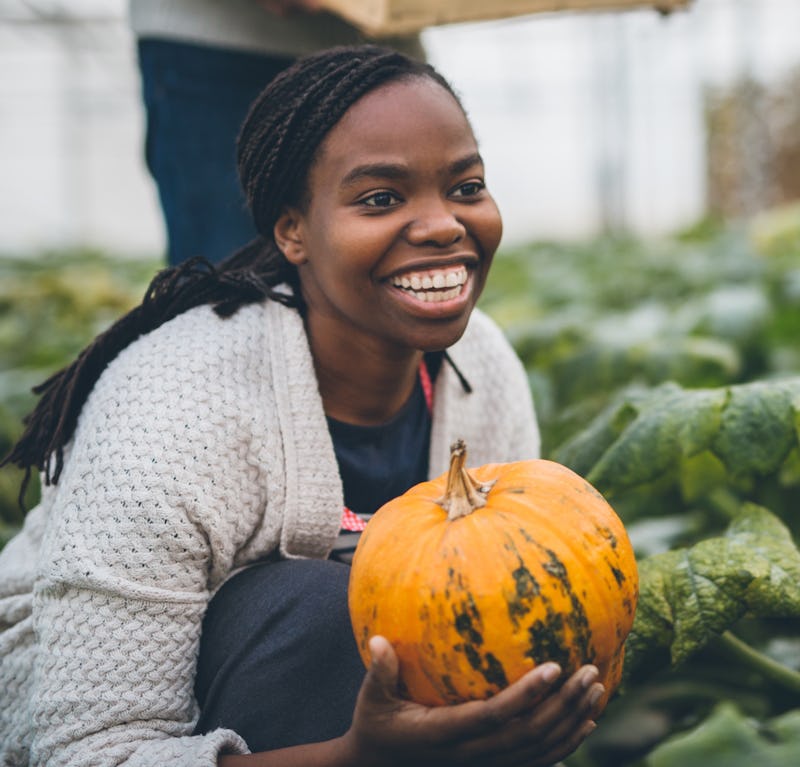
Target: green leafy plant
{"points": [[51, 306], [690, 597], [668, 374], [730, 739]]}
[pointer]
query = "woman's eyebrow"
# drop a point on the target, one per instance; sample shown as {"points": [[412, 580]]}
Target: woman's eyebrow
{"points": [[395, 171], [377, 170], [465, 163]]}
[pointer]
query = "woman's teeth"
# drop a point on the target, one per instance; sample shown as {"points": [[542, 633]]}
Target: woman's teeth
{"points": [[437, 285], [434, 296]]}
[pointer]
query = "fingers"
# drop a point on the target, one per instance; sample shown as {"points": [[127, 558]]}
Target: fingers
{"points": [[534, 722], [476, 718], [549, 728], [565, 711], [521, 696], [384, 661], [560, 724], [577, 703], [380, 683], [576, 700], [562, 749]]}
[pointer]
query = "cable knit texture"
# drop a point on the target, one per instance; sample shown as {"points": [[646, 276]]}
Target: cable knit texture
{"points": [[202, 448]]}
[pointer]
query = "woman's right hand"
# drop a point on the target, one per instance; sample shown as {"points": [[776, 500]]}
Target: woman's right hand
{"points": [[532, 723]]}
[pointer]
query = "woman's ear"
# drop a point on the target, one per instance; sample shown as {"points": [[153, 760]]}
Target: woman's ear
{"points": [[288, 233]]}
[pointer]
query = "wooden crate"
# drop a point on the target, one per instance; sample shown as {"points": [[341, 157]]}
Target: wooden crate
{"points": [[379, 18]]}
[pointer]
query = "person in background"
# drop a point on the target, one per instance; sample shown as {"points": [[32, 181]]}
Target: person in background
{"points": [[202, 63], [176, 597]]}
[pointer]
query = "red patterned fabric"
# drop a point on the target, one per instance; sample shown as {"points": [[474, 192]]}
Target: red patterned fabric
{"points": [[352, 522], [427, 384]]}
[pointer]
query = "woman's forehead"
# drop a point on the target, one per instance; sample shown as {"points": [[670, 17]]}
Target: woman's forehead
{"points": [[408, 97], [398, 118]]}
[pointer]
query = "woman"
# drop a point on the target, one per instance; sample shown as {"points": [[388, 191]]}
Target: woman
{"points": [[199, 455]]}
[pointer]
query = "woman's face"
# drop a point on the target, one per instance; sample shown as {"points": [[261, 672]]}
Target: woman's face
{"points": [[395, 244]]}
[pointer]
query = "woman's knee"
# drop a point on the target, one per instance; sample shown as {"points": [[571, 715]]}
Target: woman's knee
{"points": [[277, 647]]}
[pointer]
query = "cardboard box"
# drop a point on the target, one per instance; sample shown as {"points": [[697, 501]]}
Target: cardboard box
{"points": [[379, 18]]}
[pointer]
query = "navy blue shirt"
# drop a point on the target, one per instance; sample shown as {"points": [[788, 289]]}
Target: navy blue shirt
{"points": [[378, 463]]}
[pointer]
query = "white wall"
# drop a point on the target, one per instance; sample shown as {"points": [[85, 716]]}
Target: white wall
{"points": [[71, 131], [585, 120], [593, 120]]}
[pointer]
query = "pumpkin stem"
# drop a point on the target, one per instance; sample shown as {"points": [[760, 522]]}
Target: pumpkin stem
{"points": [[463, 493]]}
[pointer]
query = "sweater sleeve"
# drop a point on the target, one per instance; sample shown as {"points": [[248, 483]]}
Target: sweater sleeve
{"points": [[115, 678], [159, 490]]}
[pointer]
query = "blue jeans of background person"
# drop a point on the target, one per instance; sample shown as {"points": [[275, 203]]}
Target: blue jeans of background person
{"points": [[196, 98], [278, 662]]}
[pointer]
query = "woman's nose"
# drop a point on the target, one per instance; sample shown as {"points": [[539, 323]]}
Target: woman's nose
{"points": [[435, 224]]}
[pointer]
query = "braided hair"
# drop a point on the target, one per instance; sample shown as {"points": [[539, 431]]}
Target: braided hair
{"points": [[276, 148]]}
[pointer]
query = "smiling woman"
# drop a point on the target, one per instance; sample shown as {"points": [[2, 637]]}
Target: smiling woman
{"points": [[176, 596], [399, 198]]}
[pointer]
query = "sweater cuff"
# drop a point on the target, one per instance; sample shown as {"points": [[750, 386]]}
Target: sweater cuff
{"points": [[192, 751]]}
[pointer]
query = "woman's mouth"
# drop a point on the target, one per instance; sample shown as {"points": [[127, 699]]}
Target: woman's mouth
{"points": [[433, 285]]}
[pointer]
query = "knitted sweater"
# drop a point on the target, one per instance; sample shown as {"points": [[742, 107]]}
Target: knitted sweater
{"points": [[203, 447]]}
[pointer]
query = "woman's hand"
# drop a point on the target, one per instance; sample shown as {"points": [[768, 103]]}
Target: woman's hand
{"points": [[532, 723]]}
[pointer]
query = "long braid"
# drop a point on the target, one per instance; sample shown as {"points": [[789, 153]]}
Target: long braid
{"points": [[172, 292], [275, 150], [285, 126]]}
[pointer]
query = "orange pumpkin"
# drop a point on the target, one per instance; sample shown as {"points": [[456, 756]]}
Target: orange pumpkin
{"points": [[476, 577]]}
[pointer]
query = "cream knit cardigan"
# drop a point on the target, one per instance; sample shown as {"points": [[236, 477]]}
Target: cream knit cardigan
{"points": [[202, 448]]}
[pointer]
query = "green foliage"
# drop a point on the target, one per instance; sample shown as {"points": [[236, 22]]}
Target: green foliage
{"points": [[51, 306], [668, 374], [591, 319], [696, 440], [729, 739], [691, 596]]}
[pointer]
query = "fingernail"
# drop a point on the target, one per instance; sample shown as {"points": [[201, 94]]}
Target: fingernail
{"points": [[589, 677], [550, 672], [596, 694], [375, 645], [589, 728]]}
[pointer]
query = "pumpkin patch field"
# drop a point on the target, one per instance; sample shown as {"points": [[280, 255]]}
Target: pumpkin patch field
{"points": [[666, 374]]}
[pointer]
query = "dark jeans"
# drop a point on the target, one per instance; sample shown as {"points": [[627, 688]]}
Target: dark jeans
{"points": [[278, 662], [196, 99]]}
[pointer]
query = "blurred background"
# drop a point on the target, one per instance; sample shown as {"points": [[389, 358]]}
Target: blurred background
{"points": [[590, 122], [648, 170]]}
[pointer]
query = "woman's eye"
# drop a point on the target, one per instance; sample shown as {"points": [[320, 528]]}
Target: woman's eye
{"points": [[469, 189], [380, 200]]}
